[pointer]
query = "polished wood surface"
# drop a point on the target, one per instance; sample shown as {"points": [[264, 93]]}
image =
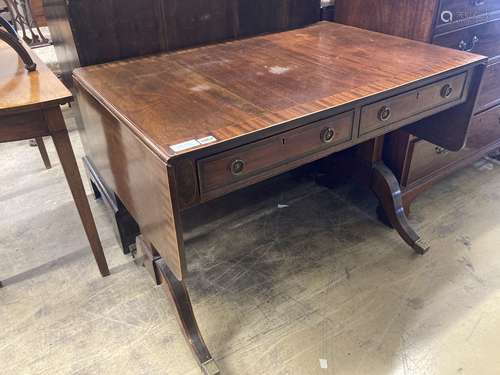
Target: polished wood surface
{"points": [[96, 31], [265, 101], [138, 176], [22, 90], [273, 151], [448, 91], [170, 131], [30, 108], [458, 24], [249, 85]]}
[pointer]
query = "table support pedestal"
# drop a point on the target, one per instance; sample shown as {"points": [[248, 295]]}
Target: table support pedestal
{"points": [[365, 165], [388, 191], [178, 293]]}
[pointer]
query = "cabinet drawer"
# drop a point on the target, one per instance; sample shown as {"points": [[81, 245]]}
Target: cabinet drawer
{"points": [[389, 111], [427, 158], [456, 14], [252, 159], [481, 39], [490, 89], [484, 130]]}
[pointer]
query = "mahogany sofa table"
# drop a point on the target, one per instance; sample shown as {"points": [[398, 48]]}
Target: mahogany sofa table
{"points": [[170, 131], [30, 108]]}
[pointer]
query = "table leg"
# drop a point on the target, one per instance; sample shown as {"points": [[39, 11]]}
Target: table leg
{"points": [[180, 297], [387, 189], [177, 291], [365, 165], [43, 152], [63, 147]]}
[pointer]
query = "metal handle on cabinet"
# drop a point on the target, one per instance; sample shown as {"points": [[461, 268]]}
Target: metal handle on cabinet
{"points": [[464, 46], [384, 113], [327, 135], [478, 3], [447, 16], [237, 167], [446, 91], [440, 150]]}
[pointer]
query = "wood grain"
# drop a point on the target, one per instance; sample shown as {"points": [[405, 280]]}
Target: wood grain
{"points": [[406, 18], [240, 87], [97, 31], [138, 177], [23, 90]]}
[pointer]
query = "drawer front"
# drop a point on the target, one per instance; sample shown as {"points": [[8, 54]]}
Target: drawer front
{"points": [[490, 89], [484, 130], [428, 158], [482, 39], [455, 14], [398, 108], [249, 160]]}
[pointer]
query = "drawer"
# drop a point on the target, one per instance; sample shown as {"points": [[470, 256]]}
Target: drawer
{"points": [[484, 130], [456, 14], [427, 158], [388, 111], [482, 39], [258, 157], [490, 89]]}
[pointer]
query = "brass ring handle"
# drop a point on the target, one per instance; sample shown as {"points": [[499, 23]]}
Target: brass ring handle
{"points": [[464, 46], [384, 113], [440, 150], [447, 16], [446, 91], [327, 135], [237, 167]]}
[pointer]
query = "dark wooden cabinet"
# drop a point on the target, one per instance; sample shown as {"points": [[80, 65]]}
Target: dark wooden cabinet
{"points": [[467, 25], [96, 31]]}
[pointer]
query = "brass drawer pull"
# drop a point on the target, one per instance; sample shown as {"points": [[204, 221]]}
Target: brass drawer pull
{"points": [[384, 114], [327, 135], [446, 91], [237, 167], [446, 16], [464, 46], [440, 150]]}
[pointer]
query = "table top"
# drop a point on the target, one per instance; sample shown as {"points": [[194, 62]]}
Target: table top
{"points": [[22, 90], [232, 89]]}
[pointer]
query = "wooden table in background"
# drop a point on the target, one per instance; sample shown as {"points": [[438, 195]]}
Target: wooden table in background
{"points": [[30, 108], [168, 132]]}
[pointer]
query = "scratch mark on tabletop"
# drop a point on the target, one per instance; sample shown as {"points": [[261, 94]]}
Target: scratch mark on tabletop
{"points": [[278, 69], [200, 88]]}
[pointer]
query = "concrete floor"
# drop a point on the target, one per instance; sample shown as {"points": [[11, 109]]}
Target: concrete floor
{"points": [[285, 290]]}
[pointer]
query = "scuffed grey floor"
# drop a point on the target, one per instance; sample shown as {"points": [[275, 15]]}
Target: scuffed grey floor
{"points": [[284, 277]]}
